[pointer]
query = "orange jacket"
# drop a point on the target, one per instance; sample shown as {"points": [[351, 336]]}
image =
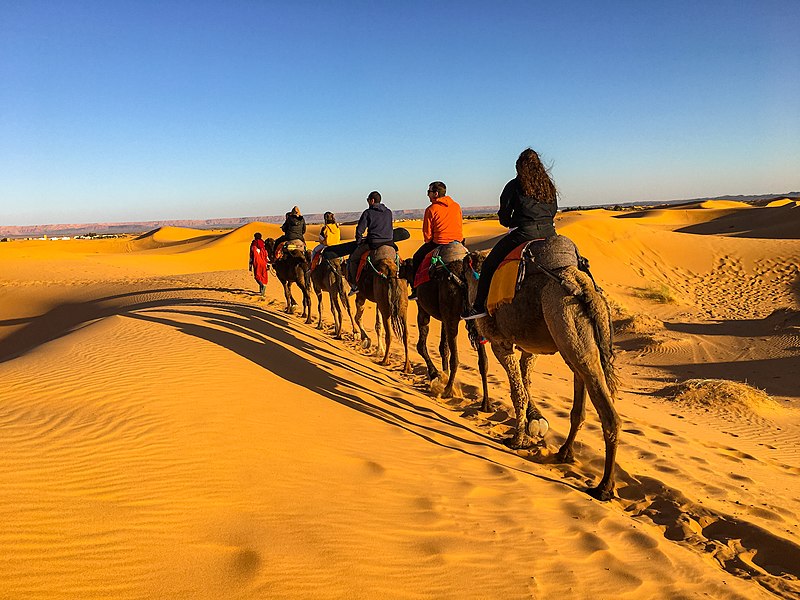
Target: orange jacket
{"points": [[442, 222]]}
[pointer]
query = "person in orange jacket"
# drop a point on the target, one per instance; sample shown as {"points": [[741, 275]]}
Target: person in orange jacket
{"points": [[441, 224]]}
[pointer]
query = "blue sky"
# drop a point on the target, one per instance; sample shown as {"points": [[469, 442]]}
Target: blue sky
{"points": [[116, 111]]}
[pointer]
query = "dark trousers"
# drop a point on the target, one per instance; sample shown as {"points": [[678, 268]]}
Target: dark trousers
{"points": [[498, 254], [419, 256]]}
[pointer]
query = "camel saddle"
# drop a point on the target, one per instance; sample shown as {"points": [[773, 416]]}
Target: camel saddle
{"points": [[289, 246], [437, 259], [546, 255], [380, 253]]}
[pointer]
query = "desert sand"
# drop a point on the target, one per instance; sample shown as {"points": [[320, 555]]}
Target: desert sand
{"points": [[166, 433]]}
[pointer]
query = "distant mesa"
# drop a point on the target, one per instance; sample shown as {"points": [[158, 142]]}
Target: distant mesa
{"points": [[346, 218]]}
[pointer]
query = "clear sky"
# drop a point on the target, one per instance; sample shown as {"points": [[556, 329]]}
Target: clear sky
{"points": [[116, 111]]}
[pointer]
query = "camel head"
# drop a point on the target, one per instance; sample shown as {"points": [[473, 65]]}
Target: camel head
{"points": [[406, 270], [472, 263], [269, 243]]}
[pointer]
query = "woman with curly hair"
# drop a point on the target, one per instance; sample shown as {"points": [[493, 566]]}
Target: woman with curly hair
{"points": [[528, 206]]}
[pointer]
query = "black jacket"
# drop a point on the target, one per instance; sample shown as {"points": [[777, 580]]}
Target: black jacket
{"points": [[526, 212], [377, 221], [294, 227]]}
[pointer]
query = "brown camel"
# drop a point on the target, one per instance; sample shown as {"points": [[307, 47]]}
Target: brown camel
{"points": [[443, 297], [380, 283], [292, 267], [546, 316], [327, 277]]}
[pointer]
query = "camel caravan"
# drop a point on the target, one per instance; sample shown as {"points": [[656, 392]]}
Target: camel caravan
{"points": [[532, 294]]}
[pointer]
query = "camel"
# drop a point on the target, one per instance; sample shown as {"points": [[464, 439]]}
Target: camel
{"points": [[443, 297], [556, 311], [380, 283], [292, 267], [327, 276]]}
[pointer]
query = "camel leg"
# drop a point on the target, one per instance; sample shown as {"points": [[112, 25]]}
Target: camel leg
{"points": [[576, 418], [404, 336], [318, 292], [346, 302], [449, 333], [537, 424], [574, 337], [483, 367], [604, 404], [423, 324], [387, 339], [287, 292], [504, 351], [365, 341], [306, 303], [336, 309], [444, 349]]}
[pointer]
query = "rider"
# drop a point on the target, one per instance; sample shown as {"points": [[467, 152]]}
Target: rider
{"points": [[441, 224], [294, 227], [376, 220], [528, 206], [329, 235]]}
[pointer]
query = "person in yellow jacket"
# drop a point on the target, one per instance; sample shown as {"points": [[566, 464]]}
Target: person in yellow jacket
{"points": [[441, 224], [329, 235]]}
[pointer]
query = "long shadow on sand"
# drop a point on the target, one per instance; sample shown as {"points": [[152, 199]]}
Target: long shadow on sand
{"points": [[70, 316], [264, 339]]}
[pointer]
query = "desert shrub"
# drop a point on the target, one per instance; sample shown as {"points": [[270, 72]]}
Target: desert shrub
{"points": [[721, 394], [662, 294]]}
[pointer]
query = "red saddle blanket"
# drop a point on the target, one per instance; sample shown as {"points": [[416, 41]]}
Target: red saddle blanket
{"points": [[316, 260], [424, 272]]}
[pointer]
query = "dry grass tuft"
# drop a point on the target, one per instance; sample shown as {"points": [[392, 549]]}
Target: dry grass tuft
{"points": [[721, 394], [662, 294]]}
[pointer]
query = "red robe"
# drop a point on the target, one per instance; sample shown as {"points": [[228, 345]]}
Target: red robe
{"points": [[258, 260]]}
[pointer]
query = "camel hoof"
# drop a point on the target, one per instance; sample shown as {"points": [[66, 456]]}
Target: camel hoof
{"points": [[365, 343], [537, 427], [604, 493], [486, 406], [565, 456], [516, 444]]}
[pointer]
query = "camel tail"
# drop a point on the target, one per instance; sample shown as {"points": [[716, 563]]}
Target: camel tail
{"points": [[389, 269], [600, 315]]}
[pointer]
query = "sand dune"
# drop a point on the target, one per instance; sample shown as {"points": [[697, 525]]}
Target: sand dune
{"points": [[168, 434]]}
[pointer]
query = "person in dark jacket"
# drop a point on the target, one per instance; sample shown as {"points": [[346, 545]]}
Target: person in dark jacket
{"points": [[528, 205], [377, 222], [294, 227]]}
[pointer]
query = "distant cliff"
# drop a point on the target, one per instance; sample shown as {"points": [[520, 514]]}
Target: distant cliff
{"points": [[343, 217]]}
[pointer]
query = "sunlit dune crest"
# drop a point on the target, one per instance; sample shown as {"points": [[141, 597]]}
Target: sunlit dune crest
{"points": [[167, 433]]}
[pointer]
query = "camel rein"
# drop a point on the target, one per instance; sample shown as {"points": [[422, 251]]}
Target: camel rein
{"points": [[397, 262], [437, 261]]}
